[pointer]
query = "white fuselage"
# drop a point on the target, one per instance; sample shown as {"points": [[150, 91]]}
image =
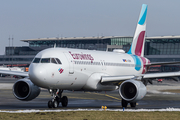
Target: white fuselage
{"points": [[82, 69]]}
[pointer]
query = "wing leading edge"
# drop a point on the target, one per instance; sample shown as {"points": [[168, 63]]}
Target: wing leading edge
{"points": [[158, 75], [118, 79], [115, 78], [18, 73]]}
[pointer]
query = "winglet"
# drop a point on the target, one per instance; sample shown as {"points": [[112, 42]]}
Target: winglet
{"points": [[54, 45], [137, 47]]}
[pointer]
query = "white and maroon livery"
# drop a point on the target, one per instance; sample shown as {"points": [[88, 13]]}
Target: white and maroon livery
{"points": [[58, 69]]}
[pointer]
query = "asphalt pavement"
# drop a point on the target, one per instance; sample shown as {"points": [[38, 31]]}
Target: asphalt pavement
{"points": [[157, 97]]}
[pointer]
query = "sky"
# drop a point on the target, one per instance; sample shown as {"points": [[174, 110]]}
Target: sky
{"points": [[22, 19]]}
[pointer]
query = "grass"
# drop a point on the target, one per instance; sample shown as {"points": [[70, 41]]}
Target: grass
{"points": [[91, 115]]}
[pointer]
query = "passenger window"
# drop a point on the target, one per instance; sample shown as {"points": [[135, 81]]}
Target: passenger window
{"points": [[53, 61], [36, 60], [45, 60], [59, 62]]}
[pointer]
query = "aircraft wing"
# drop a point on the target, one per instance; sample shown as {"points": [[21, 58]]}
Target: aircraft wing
{"points": [[158, 75], [18, 73], [116, 80], [163, 63], [105, 79]]}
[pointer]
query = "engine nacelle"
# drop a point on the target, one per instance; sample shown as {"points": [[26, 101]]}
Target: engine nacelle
{"points": [[132, 90], [25, 90]]}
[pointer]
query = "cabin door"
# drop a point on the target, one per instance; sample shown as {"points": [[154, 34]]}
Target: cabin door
{"points": [[71, 63]]}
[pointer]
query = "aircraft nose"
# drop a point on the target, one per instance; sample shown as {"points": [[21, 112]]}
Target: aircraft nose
{"points": [[37, 73]]}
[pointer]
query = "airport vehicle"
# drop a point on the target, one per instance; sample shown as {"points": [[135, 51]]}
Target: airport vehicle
{"points": [[160, 80], [58, 69]]}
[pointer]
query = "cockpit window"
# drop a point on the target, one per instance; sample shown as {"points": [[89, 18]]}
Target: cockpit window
{"points": [[36, 60], [59, 62], [45, 60], [53, 61]]}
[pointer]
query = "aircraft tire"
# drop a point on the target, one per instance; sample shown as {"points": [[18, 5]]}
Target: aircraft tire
{"points": [[133, 104], [50, 104], [58, 100], [64, 101], [55, 104], [124, 103]]}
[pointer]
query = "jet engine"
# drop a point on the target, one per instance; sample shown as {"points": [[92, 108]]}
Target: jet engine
{"points": [[132, 90], [25, 90]]}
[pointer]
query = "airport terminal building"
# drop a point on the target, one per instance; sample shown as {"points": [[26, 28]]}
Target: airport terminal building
{"points": [[157, 49]]}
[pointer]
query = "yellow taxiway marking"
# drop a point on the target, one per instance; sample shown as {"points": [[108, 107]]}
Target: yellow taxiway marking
{"points": [[113, 97], [105, 95]]}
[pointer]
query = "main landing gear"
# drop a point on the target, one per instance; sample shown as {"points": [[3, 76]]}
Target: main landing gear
{"points": [[56, 94], [124, 103]]}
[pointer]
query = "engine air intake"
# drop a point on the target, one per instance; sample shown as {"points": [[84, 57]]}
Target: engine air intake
{"points": [[25, 90], [132, 90], [128, 90]]}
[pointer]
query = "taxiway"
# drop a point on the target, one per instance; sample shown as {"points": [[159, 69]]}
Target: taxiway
{"points": [[158, 97]]}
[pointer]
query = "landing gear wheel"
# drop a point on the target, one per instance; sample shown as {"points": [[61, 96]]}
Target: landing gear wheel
{"points": [[124, 103], [133, 104], [55, 104], [64, 101], [56, 98], [50, 105]]}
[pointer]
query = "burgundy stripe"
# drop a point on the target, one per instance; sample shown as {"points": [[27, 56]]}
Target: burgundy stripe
{"points": [[139, 43], [61, 70]]}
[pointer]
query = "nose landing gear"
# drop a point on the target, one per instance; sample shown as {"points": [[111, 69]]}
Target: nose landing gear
{"points": [[56, 94]]}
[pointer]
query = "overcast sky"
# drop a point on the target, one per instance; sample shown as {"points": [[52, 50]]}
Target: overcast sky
{"points": [[24, 19]]}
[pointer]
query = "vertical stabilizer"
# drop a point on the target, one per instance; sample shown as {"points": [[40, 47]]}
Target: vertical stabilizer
{"points": [[137, 46]]}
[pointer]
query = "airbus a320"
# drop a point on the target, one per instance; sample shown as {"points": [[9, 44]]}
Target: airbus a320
{"points": [[58, 69]]}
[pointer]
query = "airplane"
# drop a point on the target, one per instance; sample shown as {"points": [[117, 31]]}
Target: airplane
{"points": [[58, 69]]}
